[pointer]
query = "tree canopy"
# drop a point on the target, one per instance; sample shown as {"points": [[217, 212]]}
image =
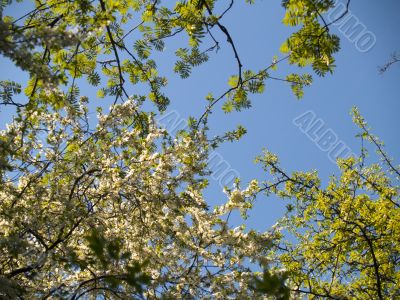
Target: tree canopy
{"points": [[115, 208], [344, 236]]}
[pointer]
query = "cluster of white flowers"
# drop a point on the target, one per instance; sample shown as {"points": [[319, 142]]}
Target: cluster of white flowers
{"points": [[148, 199]]}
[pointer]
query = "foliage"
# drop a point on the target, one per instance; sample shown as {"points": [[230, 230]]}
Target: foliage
{"points": [[342, 240], [113, 206], [312, 44], [59, 42], [103, 212], [273, 284]]}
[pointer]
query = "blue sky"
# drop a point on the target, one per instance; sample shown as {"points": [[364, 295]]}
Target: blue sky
{"points": [[258, 32]]}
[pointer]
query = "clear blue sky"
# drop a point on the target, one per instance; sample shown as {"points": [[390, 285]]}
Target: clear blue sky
{"points": [[258, 32]]}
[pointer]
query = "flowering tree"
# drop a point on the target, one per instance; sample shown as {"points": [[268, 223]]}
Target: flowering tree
{"points": [[104, 212], [114, 208]]}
